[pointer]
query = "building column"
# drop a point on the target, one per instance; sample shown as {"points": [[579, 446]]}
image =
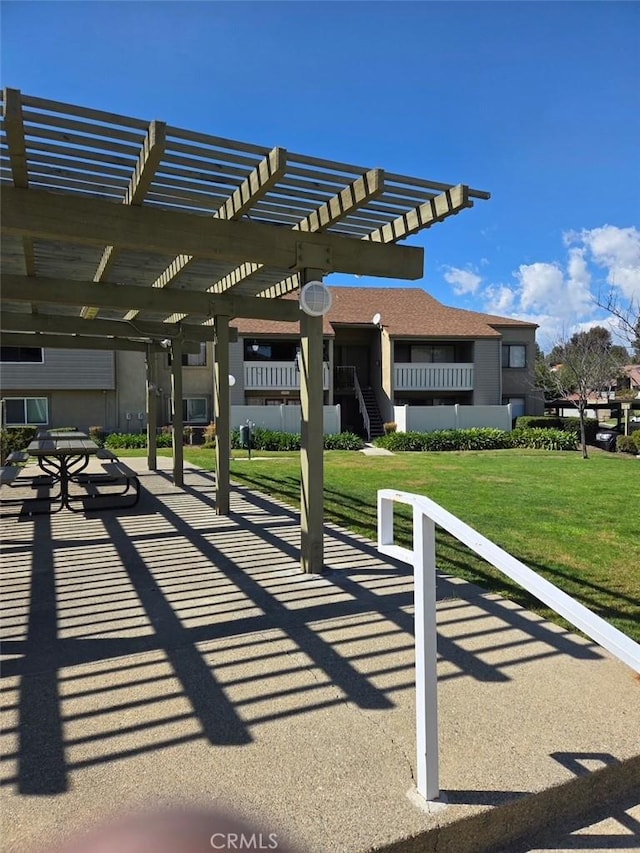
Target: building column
{"points": [[176, 412], [312, 442], [152, 410], [222, 414]]}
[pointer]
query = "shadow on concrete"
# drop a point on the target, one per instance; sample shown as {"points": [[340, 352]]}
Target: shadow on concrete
{"points": [[134, 630]]}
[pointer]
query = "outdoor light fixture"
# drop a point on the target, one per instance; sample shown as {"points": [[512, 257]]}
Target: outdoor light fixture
{"points": [[315, 299], [255, 346], [377, 320], [166, 343]]}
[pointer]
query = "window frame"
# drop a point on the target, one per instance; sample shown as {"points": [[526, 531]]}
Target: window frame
{"points": [[506, 356], [25, 408], [21, 360]]}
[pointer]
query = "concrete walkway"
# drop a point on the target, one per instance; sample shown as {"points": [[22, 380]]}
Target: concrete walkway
{"points": [[166, 655]]}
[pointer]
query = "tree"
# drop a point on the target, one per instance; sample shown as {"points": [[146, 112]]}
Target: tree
{"points": [[627, 315], [588, 363]]}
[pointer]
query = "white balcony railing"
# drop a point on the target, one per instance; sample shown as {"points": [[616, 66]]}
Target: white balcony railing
{"points": [[433, 377], [279, 375]]}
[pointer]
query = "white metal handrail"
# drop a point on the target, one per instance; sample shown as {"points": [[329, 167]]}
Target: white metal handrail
{"points": [[426, 514]]}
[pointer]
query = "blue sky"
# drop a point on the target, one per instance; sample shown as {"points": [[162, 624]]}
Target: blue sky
{"points": [[536, 102]]}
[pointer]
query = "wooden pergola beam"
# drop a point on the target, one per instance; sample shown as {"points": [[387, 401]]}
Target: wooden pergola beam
{"points": [[448, 203], [49, 341], [62, 291], [357, 194], [51, 216], [266, 174], [141, 179], [52, 323]]}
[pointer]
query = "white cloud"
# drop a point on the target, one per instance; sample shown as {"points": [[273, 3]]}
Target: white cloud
{"points": [[616, 250], [561, 296], [463, 281], [499, 299]]}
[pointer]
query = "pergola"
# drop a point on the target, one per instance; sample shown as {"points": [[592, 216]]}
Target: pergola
{"points": [[119, 233]]}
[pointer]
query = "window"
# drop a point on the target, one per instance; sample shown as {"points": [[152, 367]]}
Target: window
{"points": [[198, 359], [194, 410], [514, 355], [406, 353], [21, 355], [277, 350], [23, 411]]}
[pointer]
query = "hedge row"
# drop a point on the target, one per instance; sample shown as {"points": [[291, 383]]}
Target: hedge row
{"points": [[567, 424], [269, 439], [15, 438], [261, 439], [478, 439], [130, 440]]}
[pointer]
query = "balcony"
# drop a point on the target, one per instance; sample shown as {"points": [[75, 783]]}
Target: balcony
{"points": [[278, 375], [433, 377]]}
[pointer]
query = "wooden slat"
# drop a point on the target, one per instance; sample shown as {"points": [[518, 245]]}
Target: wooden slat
{"points": [[84, 112], [140, 181], [448, 203], [360, 192], [100, 130], [80, 155], [77, 139], [14, 128], [264, 176], [267, 173], [217, 141]]}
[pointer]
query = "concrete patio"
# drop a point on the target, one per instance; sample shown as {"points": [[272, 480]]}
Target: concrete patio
{"points": [[166, 655]]}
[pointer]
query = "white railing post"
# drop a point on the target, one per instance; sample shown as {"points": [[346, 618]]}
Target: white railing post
{"points": [[424, 593]]}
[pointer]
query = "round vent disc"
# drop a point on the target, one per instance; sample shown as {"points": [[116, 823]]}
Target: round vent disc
{"points": [[315, 299]]}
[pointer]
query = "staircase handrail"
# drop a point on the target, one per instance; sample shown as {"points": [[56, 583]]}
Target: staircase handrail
{"points": [[361, 403], [426, 514]]}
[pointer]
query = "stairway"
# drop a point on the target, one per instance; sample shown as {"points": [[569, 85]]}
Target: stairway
{"points": [[375, 419]]}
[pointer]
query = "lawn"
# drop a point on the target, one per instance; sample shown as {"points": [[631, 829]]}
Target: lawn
{"points": [[575, 521]]}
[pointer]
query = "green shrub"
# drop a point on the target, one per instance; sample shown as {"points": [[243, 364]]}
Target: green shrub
{"points": [[636, 437], [446, 439], [343, 441], [541, 438], [15, 438], [573, 425], [132, 440], [539, 422], [626, 444]]}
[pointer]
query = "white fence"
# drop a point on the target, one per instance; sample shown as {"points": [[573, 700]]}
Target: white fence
{"points": [[283, 418], [431, 418], [426, 514]]}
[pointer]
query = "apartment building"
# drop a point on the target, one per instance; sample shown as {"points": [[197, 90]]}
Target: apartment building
{"points": [[384, 347]]}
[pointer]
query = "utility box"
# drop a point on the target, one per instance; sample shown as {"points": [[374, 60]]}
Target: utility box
{"points": [[245, 436]]}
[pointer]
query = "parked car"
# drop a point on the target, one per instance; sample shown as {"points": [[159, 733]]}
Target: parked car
{"points": [[606, 438]]}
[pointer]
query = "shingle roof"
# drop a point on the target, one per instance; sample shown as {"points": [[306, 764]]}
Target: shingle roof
{"points": [[405, 312]]}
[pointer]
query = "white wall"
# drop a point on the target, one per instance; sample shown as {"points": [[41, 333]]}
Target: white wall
{"points": [[431, 418], [283, 418]]}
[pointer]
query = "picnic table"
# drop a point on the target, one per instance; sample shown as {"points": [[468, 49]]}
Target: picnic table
{"points": [[62, 456]]}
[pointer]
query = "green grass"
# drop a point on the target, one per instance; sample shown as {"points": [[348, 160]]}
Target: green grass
{"points": [[575, 521]]}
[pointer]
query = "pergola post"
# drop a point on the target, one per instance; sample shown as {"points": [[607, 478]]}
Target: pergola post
{"points": [[312, 442], [222, 413], [176, 412], [152, 411]]}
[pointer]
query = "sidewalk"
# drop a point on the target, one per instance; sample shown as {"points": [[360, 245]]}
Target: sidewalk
{"points": [[168, 655]]}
